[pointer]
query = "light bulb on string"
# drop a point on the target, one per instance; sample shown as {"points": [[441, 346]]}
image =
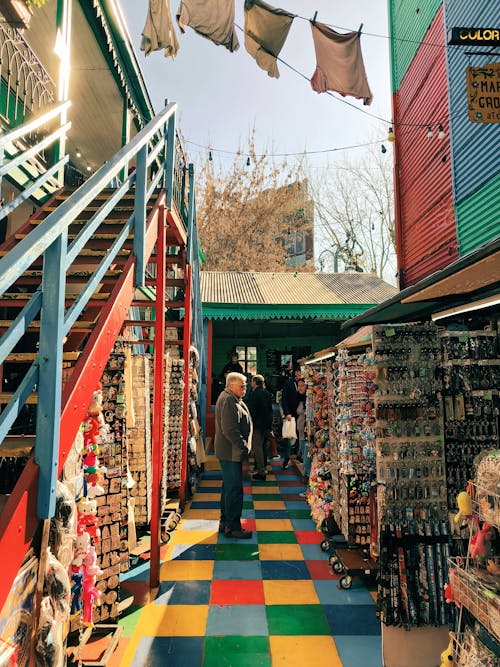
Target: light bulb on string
{"points": [[441, 132], [383, 149], [89, 168], [248, 161], [390, 135], [78, 153], [210, 158], [430, 133]]}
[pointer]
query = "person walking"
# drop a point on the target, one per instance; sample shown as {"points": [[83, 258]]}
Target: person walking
{"points": [[233, 439], [289, 401], [260, 404]]}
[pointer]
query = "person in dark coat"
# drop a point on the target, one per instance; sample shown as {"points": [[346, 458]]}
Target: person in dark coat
{"points": [[232, 366], [260, 404], [233, 438], [289, 402]]}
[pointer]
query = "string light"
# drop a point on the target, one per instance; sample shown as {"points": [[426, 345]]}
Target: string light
{"points": [[248, 161], [78, 153], [383, 149], [210, 158], [89, 168], [441, 132], [390, 135], [430, 133]]}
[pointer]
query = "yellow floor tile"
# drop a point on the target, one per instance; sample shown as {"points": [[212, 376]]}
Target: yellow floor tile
{"points": [[269, 505], [210, 482], [201, 514], [281, 591], [264, 489], [184, 570], [296, 651], [205, 497], [180, 536], [280, 552], [177, 621], [273, 524], [212, 464]]}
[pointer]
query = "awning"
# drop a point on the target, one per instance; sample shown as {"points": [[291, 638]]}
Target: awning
{"points": [[234, 311], [471, 278], [359, 338]]}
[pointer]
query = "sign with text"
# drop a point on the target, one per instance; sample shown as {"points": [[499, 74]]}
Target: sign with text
{"points": [[474, 36], [483, 93]]}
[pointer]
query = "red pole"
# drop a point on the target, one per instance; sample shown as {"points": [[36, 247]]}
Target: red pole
{"points": [[185, 412], [158, 403]]}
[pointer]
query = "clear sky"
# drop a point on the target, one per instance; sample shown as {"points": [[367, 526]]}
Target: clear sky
{"points": [[223, 95]]}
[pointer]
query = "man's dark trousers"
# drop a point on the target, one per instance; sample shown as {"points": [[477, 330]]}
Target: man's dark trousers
{"points": [[231, 499]]}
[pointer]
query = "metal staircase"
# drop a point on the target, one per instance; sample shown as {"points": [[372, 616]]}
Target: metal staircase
{"points": [[68, 279]]}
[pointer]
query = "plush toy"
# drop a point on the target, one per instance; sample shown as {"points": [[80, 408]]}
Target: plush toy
{"points": [[480, 544], [94, 482], [448, 593], [92, 569], [464, 503], [90, 432], [76, 592], [447, 655], [82, 547], [87, 518], [91, 596]]}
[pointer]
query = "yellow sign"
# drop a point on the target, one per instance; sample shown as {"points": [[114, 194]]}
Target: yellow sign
{"points": [[483, 93]]}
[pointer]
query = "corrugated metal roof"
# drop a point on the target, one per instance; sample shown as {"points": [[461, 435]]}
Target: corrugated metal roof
{"points": [[280, 288]]}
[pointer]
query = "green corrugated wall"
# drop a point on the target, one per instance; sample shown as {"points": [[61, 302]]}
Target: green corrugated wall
{"points": [[478, 223], [409, 21]]}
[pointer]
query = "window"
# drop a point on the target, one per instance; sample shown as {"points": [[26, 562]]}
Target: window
{"points": [[247, 356]]}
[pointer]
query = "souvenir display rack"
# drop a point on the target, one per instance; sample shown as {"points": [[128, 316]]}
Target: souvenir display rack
{"points": [[172, 458], [471, 382], [412, 499], [475, 579]]}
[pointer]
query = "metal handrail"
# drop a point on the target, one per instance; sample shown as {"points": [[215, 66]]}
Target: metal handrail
{"points": [[49, 240]]}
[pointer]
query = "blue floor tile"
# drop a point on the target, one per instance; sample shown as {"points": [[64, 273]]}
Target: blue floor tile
{"points": [[205, 505], [356, 620], [303, 524], [212, 474], [183, 592], [295, 504], [138, 573], [245, 620], [248, 570], [330, 593], [286, 569], [247, 497], [271, 514], [359, 651], [208, 489], [293, 490], [313, 552], [248, 514], [193, 552], [154, 651]]}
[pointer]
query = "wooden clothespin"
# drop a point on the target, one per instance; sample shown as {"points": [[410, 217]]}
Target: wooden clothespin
{"points": [[314, 17], [360, 29]]}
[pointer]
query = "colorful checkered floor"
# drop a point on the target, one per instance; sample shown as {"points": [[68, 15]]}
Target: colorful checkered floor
{"points": [[271, 600]]}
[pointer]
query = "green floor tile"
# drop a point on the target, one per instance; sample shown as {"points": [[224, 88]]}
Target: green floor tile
{"points": [[300, 514], [296, 619], [236, 552], [277, 537], [130, 620], [236, 652], [267, 496], [248, 504], [255, 482]]}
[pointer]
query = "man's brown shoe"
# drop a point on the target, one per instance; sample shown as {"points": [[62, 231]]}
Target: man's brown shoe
{"points": [[239, 534]]}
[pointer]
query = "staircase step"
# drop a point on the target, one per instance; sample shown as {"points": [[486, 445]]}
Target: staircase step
{"points": [[169, 282], [85, 252], [26, 357], [20, 299], [152, 323], [14, 446], [6, 397], [35, 326]]}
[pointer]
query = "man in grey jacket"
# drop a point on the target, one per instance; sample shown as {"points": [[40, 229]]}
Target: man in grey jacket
{"points": [[233, 440]]}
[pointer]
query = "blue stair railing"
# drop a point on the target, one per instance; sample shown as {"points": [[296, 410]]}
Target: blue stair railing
{"points": [[153, 150]]}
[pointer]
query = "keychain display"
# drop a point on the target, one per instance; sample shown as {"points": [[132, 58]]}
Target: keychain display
{"points": [[174, 408]]}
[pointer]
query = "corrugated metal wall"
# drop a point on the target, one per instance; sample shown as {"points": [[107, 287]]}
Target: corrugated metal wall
{"points": [[427, 219], [479, 216], [409, 21], [476, 146]]}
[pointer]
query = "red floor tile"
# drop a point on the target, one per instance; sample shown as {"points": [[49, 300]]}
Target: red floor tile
{"points": [[248, 524], [293, 496], [236, 592], [320, 569], [293, 482], [309, 536]]}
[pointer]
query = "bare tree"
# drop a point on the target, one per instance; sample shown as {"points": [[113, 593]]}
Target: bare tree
{"points": [[247, 211], [354, 213]]}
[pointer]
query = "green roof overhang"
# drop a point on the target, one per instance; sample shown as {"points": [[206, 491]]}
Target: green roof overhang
{"points": [[237, 311]]}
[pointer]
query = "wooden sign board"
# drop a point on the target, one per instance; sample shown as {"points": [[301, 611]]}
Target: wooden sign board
{"points": [[483, 93]]}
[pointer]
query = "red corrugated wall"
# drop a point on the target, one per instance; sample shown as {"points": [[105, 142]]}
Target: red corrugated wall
{"points": [[425, 220]]}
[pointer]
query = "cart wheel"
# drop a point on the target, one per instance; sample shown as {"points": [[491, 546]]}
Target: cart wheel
{"points": [[325, 545], [338, 567], [332, 560], [346, 582]]}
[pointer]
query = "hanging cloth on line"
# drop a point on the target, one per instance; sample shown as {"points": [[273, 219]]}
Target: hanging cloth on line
{"points": [[266, 30], [340, 64], [213, 19], [158, 33]]}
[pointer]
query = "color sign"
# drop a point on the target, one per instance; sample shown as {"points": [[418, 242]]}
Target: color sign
{"points": [[483, 93], [474, 36]]}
